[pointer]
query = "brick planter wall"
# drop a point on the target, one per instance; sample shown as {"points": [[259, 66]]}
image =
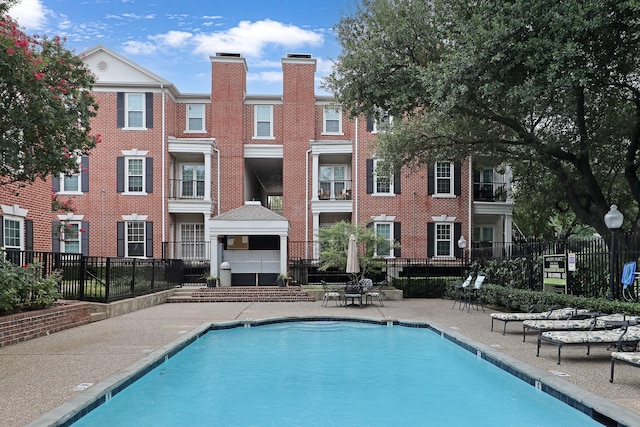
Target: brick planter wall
{"points": [[20, 327]]}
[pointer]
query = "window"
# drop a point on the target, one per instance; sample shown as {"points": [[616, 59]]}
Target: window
{"points": [[384, 231], [332, 122], [263, 127], [71, 241], [444, 178], [135, 239], [12, 233], [192, 181], [382, 182], [483, 234], [192, 244], [70, 183], [382, 124], [135, 110], [333, 183], [195, 117], [444, 240], [135, 175]]}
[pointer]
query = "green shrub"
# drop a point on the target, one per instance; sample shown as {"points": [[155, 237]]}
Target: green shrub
{"points": [[24, 287]]}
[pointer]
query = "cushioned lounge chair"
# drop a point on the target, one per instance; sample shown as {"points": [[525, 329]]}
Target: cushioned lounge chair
{"points": [[631, 358], [558, 314], [461, 291], [472, 293], [625, 337], [577, 323]]}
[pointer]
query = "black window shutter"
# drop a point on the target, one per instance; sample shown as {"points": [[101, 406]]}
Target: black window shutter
{"points": [[55, 184], [431, 239], [396, 182], [84, 236], [457, 232], [431, 178], [120, 175], [120, 110], [457, 179], [148, 235], [120, 238], [84, 174], [149, 174], [28, 235], [370, 124], [55, 236], [396, 236], [369, 176], [1, 231], [149, 106]]}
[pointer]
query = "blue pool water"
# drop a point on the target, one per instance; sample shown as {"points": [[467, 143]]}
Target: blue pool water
{"points": [[330, 373]]}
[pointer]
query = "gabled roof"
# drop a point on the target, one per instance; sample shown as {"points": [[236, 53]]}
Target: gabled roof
{"points": [[112, 69], [250, 219]]}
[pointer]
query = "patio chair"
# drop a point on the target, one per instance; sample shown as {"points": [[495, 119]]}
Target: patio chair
{"points": [[330, 294], [473, 296], [461, 291], [375, 292], [629, 277], [625, 337], [559, 314]]}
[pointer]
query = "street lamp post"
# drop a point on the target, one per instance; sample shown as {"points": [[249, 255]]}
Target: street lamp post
{"points": [[462, 244], [613, 220]]}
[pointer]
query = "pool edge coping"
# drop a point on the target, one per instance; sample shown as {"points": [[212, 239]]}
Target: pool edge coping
{"points": [[602, 410]]}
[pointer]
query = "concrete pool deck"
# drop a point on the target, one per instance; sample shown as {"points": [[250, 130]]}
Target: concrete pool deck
{"points": [[39, 375]]}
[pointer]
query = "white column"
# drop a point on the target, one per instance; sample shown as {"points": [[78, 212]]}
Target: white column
{"points": [[213, 244], [283, 254], [315, 171], [207, 176], [315, 235]]}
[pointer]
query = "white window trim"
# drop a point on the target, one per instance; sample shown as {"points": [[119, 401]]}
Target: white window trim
{"points": [[324, 120], [450, 224], [451, 194], [391, 239], [134, 218], [126, 111], [20, 221], [376, 123], [78, 176], [255, 122], [375, 182], [63, 239], [204, 121], [126, 176]]}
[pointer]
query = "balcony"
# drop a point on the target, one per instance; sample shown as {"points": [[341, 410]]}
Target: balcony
{"points": [[490, 191], [186, 189], [334, 190]]}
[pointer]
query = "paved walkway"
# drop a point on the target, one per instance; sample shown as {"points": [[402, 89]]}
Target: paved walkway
{"points": [[38, 375]]}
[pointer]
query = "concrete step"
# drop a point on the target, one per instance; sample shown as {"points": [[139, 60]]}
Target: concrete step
{"points": [[242, 294]]}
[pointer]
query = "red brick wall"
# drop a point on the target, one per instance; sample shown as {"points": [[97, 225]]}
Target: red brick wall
{"points": [[20, 327]]}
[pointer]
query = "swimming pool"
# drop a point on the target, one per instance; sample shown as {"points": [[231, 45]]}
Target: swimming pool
{"points": [[324, 372]]}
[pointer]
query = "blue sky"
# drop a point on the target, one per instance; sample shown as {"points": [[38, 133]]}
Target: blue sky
{"points": [[175, 39]]}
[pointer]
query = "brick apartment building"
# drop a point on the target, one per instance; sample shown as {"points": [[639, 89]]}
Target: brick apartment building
{"points": [[246, 179]]}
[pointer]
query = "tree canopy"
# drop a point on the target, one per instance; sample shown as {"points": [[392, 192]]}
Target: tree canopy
{"points": [[553, 83], [45, 105]]}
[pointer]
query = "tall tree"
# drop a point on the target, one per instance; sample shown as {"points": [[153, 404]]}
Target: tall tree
{"points": [[552, 82], [45, 105]]}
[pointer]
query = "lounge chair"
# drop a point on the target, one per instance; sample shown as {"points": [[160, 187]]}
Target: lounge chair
{"points": [[576, 323], [626, 337], [330, 294], [631, 358], [559, 314]]}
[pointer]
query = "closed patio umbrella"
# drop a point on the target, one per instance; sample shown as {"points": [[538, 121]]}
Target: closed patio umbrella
{"points": [[353, 266]]}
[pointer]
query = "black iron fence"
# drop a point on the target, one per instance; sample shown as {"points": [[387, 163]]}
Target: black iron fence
{"points": [[104, 279]]}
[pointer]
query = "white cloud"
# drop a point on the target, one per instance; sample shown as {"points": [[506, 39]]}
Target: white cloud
{"points": [[250, 38], [139, 48], [30, 14], [173, 38], [265, 76]]}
